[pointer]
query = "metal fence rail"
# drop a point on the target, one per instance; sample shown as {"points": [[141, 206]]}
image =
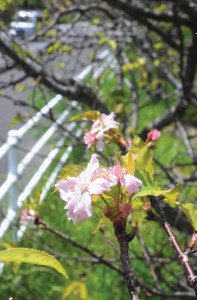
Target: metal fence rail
{"points": [[16, 170], [9, 190]]}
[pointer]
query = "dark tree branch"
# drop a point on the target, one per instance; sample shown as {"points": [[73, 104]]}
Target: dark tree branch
{"points": [[77, 245], [138, 11], [123, 240], [70, 89]]}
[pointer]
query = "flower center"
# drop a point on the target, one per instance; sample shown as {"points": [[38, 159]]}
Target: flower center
{"points": [[83, 184], [118, 171]]}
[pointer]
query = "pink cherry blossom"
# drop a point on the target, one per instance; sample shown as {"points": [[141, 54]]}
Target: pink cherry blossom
{"points": [[28, 218], [89, 139], [153, 135], [78, 191], [96, 134], [116, 175]]}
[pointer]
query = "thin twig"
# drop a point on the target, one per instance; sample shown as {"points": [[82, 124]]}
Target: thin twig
{"points": [[191, 276]]}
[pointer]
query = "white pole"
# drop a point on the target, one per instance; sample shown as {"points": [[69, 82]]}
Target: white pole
{"points": [[12, 167], [12, 173]]}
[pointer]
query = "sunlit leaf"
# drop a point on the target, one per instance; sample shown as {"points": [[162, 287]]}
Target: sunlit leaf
{"points": [[66, 48], [162, 7], [31, 256], [96, 21], [53, 47], [51, 33], [60, 65], [144, 177], [99, 34], [19, 51], [20, 87], [154, 84], [144, 157], [17, 119], [130, 66], [4, 5], [78, 289], [171, 195], [87, 116], [102, 221], [110, 42], [138, 214], [128, 161], [191, 212], [91, 56], [141, 60], [159, 45], [71, 170]]}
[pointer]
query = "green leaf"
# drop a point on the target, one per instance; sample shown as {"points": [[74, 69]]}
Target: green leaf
{"points": [[71, 170], [17, 119], [66, 48], [128, 161], [110, 42], [144, 176], [53, 47], [5, 5], [144, 157], [191, 212], [20, 87], [137, 64], [130, 66], [102, 221], [77, 288], [96, 21], [60, 65], [19, 51], [32, 256], [91, 115], [171, 195]]}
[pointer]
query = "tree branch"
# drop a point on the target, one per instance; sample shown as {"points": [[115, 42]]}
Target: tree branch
{"points": [[191, 276], [70, 88]]}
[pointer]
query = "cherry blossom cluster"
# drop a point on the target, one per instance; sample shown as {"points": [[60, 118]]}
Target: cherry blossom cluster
{"points": [[99, 129], [78, 191]]}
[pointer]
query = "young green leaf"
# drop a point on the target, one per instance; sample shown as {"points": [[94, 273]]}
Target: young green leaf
{"points": [[128, 161], [102, 221], [32, 256], [87, 116], [191, 212], [170, 195], [144, 157], [77, 288], [71, 170], [144, 176]]}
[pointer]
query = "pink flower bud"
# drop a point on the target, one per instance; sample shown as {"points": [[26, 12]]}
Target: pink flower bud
{"points": [[153, 135], [29, 217]]}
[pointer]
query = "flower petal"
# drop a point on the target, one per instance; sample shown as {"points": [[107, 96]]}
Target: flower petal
{"points": [[64, 187], [79, 210], [131, 183], [98, 186], [91, 167]]}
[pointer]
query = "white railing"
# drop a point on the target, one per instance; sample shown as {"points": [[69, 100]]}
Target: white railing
{"points": [[10, 187]]}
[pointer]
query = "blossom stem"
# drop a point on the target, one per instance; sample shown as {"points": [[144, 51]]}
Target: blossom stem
{"points": [[105, 202], [123, 240]]}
